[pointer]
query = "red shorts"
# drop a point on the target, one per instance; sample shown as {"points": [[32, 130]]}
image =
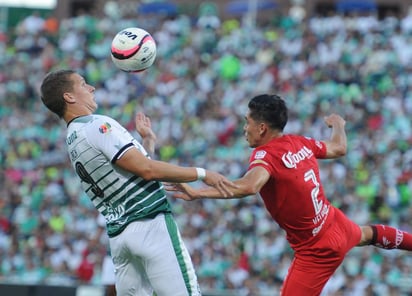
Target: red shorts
{"points": [[313, 265]]}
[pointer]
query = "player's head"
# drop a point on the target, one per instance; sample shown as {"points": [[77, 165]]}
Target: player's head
{"points": [[270, 109], [52, 89]]}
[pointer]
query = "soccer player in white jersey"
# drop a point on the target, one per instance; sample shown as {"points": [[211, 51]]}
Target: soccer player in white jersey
{"points": [[124, 184]]}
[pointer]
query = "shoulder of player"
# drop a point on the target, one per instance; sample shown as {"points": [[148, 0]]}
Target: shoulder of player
{"points": [[304, 144], [279, 146], [101, 121], [282, 142], [296, 137], [101, 118], [300, 138], [92, 125]]}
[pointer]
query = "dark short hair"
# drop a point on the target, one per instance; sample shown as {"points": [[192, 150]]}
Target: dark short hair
{"points": [[270, 109], [54, 85]]}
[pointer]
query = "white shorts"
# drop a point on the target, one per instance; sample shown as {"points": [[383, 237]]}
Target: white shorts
{"points": [[108, 277], [149, 256]]}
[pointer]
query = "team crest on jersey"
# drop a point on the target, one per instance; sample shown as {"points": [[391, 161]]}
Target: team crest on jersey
{"points": [[105, 128], [260, 154]]}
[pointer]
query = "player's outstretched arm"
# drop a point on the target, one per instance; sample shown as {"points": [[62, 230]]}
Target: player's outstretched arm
{"points": [[135, 162], [250, 184], [336, 146]]}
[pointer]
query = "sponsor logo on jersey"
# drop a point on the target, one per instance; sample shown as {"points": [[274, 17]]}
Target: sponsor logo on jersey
{"points": [[105, 128], [290, 159]]}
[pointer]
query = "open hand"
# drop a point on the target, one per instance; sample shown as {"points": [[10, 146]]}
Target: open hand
{"points": [[144, 126], [180, 190], [220, 182]]}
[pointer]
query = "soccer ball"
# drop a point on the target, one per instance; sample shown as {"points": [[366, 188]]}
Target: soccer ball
{"points": [[133, 50]]}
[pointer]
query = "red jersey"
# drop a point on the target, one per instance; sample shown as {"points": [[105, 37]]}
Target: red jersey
{"points": [[294, 195]]}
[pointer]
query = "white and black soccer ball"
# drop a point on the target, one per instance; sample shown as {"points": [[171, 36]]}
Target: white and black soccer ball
{"points": [[133, 50]]}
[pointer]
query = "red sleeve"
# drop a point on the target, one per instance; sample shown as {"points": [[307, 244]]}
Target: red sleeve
{"points": [[260, 157], [318, 147]]}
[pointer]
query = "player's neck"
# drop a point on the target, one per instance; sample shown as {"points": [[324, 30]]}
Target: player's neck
{"points": [[276, 134], [272, 136], [74, 111]]}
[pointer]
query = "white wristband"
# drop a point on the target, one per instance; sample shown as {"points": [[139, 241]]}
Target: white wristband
{"points": [[201, 173]]}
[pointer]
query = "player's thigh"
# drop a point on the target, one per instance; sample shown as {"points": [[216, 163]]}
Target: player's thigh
{"points": [[108, 277], [131, 280], [307, 277], [169, 266], [130, 275]]}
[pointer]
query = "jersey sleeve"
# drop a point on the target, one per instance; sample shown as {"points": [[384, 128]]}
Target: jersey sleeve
{"points": [[260, 158], [109, 137], [318, 147]]}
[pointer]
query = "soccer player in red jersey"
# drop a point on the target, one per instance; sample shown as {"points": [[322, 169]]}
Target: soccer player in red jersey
{"points": [[283, 169]]}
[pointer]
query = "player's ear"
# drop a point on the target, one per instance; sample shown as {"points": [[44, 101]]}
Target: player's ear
{"points": [[68, 97], [262, 128]]}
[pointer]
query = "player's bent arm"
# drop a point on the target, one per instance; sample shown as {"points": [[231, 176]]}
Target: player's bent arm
{"points": [[335, 150], [336, 146], [149, 143], [144, 128]]}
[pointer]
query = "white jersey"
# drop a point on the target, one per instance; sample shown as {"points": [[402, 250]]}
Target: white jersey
{"points": [[94, 144]]}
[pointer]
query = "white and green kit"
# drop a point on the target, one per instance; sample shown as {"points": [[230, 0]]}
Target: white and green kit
{"points": [[146, 245]]}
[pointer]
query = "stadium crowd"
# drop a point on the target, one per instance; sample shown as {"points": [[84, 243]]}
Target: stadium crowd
{"points": [[195, 94]]}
